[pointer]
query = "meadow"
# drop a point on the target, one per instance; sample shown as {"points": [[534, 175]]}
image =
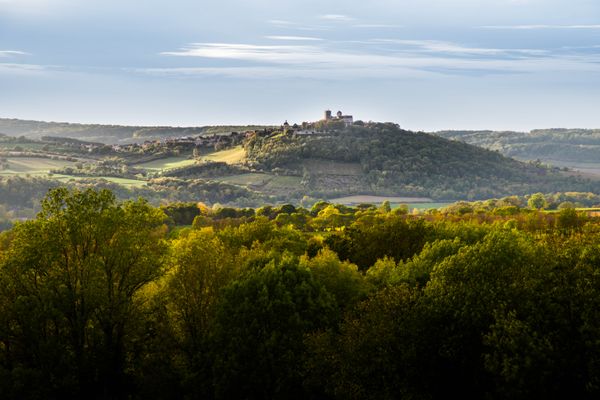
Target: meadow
{"points": [[32, 166]]}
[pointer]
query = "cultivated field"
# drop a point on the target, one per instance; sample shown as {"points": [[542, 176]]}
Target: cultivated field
{"points": [[166, 163], [264, 182], [353, 200], [423, 206], [252, 179], [325, 167], [234, 155], [120, 181], [33, 165]]}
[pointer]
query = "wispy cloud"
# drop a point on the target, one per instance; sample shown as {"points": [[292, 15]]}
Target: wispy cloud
{"points": [[9, 53], [292, 25], [294, 38], [376, 26], [275, 72], [246, 52], [436, 46], [533, 27], [281, 22], [331, 60], [336, 17], [21, 69]]}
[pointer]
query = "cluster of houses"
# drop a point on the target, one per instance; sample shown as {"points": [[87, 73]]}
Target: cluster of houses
{"points": [[184, 142], [217, 141]]}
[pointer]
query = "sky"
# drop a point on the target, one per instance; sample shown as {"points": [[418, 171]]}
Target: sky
{"points": [[424, 64]]}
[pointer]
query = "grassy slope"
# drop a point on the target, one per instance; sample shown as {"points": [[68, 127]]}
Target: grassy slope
{"points": [[166, 163], [121, 181], [33, 165], [40, 167], [234, 155]]}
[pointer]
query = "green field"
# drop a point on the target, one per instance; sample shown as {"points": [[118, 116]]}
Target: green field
{"points": [[166, 163], [252, 179], [357, 199], [264, 182], [230, 156], [120, 181], [32, 166], [423, 206], [24, 146]]}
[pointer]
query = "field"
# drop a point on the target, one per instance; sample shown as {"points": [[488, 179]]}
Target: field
{"points": [[166, 163], [252, 179], [120, 181], [420, 203], [230, 156], [25, 146], [264, 182], [40, 167], [325, 167], [32, 166], [353, 200], [234, 155], [424, 206]]}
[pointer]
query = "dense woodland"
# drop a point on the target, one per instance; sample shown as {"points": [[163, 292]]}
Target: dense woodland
{"points": [[103, 299]]}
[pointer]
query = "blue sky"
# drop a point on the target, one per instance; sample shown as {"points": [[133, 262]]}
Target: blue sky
{"points": [[425, 64]]}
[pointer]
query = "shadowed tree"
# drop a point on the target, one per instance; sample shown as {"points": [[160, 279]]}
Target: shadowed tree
{"points": [[72, 281]]}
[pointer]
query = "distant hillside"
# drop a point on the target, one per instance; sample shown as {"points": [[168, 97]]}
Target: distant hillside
{"points": [[384, 159], [364, 159], [107, 133], [562, 145]]}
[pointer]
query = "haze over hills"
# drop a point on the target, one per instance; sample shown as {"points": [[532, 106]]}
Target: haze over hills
{"points": [[551, 145], [106, 133]]}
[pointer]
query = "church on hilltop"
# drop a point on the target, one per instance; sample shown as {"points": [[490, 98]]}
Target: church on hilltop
{"points": [[346, 119]]}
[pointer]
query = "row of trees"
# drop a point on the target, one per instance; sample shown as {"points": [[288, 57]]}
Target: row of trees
{"points": [[101, 299], [27, 192]]}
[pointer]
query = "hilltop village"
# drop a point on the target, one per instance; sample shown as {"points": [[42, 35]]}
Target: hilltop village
{"points": [[215, 141], [164, 145]]}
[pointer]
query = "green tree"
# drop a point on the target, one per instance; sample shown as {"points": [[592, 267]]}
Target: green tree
{"points": [[537, 201], [385, 207], [340, 278], [201, 266], [74, 278], [259, 336]]}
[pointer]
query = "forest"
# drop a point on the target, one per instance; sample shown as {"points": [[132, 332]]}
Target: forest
{"points": [[106, 299]]}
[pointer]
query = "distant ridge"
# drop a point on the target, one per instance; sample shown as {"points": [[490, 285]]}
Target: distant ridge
{"points": [[107, 133], [549, 145]]}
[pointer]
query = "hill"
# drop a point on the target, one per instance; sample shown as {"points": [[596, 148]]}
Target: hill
{"points": [[372, 159], [382, 159]]}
